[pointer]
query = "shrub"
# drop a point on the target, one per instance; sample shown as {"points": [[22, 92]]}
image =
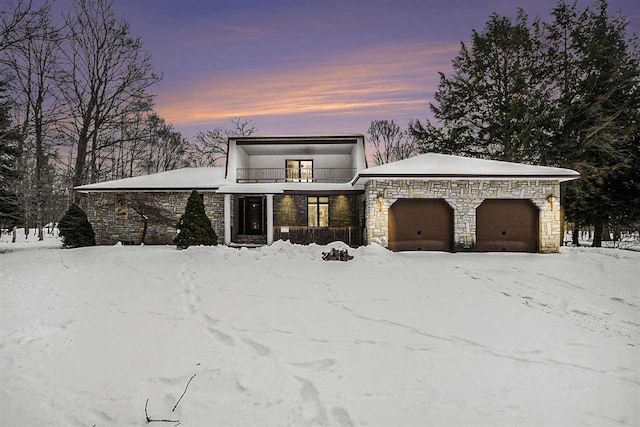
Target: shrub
{"points": [[194, 227], [75, 229]]}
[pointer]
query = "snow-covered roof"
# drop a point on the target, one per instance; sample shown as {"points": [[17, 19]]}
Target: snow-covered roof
{"points": [[205, 178], [432, 165], [282, 187], [301, 137]]}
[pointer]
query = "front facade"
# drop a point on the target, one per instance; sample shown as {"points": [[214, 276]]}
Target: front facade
{"points": [[318, 189], [294, 188]]}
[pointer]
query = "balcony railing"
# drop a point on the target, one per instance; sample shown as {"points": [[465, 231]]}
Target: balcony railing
{"points": [[335, 175]]}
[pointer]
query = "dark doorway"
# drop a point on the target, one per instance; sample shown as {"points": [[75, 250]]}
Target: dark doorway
{"points": [[504, 225], [252, 218], [420, 225]]}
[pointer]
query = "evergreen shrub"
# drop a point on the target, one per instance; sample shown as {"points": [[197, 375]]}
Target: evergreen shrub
{"points": [[194, 227], [75, 229]]}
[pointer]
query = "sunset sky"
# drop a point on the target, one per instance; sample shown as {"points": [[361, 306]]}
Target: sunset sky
{"points": [[308, 66]]}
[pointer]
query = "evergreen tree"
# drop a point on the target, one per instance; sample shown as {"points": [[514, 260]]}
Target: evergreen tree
{"points": [[496, 104], [75, 229], [10, 212], [566, 93], [194, 227], [597, 69]]}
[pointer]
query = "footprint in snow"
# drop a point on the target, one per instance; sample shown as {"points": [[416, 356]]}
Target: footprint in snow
{"points": [[262, 350], [341, 416], [315, 365], [313, 411], [221, 336]]}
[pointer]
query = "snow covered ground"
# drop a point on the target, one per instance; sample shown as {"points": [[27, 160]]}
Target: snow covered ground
{"points": [[276, 336]]}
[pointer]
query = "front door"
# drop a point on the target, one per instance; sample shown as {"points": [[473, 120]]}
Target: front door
{"points": [[252, 216]]}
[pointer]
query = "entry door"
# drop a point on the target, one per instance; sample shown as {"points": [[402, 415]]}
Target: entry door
{"points": [[253, 216]]}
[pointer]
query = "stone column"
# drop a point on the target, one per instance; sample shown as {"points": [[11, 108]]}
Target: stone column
{"points": [[227, 219], [269, 219]]}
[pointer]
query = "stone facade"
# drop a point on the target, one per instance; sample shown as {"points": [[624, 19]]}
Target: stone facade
{"points": [[464, 196], [290, 210], [114, 215]]}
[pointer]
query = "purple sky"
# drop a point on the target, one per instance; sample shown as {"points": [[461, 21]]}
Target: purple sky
{"points": [[308, 66]]}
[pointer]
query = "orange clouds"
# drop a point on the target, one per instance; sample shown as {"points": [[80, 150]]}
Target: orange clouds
{"points": [[388, 80]]}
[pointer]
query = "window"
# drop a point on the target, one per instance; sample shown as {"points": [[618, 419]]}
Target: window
{"points": [[318, 211], [299, 170]]}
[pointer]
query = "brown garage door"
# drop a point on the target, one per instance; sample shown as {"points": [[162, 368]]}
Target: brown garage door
{"points": [[507, 225], [420, 225]]}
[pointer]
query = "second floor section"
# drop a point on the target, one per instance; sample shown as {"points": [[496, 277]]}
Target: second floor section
{"points": [[321, 159]]}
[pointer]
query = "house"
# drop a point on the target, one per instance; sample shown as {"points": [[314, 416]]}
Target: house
{"points": [[318, 189]]}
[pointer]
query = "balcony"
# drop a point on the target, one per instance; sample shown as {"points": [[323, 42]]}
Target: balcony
{"points": [[332, 175]]}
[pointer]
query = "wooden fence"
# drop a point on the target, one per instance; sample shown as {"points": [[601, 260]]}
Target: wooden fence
{"points": [[320, 235]]}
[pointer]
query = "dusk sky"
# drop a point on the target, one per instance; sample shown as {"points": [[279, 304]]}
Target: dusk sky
{"points": [[299, 67]]}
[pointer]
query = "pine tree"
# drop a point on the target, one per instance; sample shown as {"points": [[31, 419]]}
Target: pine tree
{"points": [[75, 229], [194, 227], [597, 69], [496, 104], [10, 212]]}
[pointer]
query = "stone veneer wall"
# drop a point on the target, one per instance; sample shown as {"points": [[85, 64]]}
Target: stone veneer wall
{"points": [[291, 209], [127, 226], [344, 212], [464, 196]]}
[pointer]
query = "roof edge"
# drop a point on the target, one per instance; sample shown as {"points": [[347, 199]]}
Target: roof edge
{"points": [[143, 189], [457, 175]]}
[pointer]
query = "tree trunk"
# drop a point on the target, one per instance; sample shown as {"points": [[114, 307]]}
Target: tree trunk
{"points": [[575, 236], [14, 234], [80, 164], [144, 232], [597, 235], [94, 158]]}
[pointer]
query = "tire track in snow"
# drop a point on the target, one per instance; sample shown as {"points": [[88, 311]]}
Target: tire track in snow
{"points": [[469, 345]]}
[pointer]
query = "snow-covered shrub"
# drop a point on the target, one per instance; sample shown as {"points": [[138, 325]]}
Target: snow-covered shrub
{"points": [[194, 227], [75, 229]]}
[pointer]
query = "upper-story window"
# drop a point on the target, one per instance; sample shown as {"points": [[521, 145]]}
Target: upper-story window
{"points": [[299, 170]]}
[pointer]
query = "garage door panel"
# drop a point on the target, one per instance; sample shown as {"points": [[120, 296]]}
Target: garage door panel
{"points": [[420, 225], [504, 246], [504, 225], [419, 245]]}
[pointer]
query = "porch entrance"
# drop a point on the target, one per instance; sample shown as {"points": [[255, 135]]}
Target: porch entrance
{"points": [[252, 218]]}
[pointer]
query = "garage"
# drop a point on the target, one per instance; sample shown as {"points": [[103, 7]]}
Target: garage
{"points": [[507, 226], [420, 225]]}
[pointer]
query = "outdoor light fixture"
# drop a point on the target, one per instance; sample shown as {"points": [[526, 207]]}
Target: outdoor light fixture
{"points": [[551, 199], [380, 199]]}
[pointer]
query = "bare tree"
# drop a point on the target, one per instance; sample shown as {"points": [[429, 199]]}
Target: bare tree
{"points": [[33, 60], [149, 211], [18, 20], [107, 78], [165, 148], [211, 146], [390, 142]]}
